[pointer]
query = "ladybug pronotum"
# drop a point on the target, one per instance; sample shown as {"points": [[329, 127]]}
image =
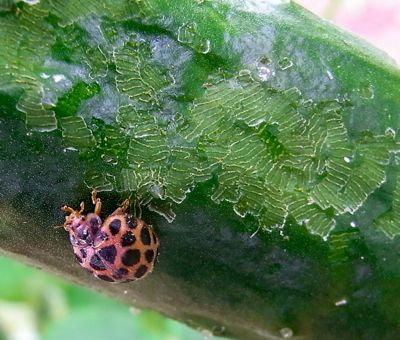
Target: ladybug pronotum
{"points": [[123, 248]]}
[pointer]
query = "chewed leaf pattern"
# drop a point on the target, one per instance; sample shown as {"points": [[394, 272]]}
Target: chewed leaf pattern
{"points": [[267, 153]]}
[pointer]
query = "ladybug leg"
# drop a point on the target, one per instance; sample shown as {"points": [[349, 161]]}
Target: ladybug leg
{"points": [[68, 209], [121, 210], [97, 203], [94, 196], [72, 214], [82, 205]]}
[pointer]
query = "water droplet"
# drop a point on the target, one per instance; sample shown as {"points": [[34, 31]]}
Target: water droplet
{"points": [[265, 73], [110, 159], [367, 91], [31, 2], [330, 75], [206, 333], [285, 63], [341, 302], [245, 75], [307, 103], [156, 190], [204, 47], [347, 159], [70, 148], [265, 60], [187, 32], [44, 75], [286, 333], [390, 132], [58, 77], [134, 310], [218, 330], [310, 200]]}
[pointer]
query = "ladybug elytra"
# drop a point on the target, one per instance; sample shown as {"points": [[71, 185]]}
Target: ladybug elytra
{"points": [[123, 248]]}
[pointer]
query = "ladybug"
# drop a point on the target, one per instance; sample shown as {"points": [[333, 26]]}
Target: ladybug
{"points": [[123, 248]]}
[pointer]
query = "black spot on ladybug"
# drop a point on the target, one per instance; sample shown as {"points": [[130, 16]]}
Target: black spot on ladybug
{"points": [[131, 257], [83, 252], [145, 236], [120, 273], [105, 278], [141, 271], [96, 263], [128, 239], [78, 258], [149, 255], [130, 221], [108, 253], [115, 225]]}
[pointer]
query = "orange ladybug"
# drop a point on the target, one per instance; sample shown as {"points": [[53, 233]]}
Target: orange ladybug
{"points": [[123, 248]]}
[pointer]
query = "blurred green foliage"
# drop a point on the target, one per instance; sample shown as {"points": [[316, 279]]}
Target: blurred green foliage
{"points": [[36, 305]]}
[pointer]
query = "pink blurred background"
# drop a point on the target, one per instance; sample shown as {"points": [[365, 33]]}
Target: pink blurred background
{"points": [[376, 21]]}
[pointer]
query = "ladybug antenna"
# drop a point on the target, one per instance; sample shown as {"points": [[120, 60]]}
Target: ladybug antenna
{"points": [[97, 202]]}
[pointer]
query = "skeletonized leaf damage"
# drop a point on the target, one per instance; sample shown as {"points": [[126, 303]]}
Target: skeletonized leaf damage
{"points": [[270, 153]]}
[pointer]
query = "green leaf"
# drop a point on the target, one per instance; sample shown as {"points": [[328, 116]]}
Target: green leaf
{"points": [[261, 142]]}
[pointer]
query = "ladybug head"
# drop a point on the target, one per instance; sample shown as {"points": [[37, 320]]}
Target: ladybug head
{"points": [[75, 224], [82, 229]]}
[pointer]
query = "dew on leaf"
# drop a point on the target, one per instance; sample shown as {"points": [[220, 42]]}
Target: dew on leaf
{"points": [[70, 148], [286, 332], [245, 75], [187, 32], [204, 47], [31, 2], [206, 333], [307, 103], [44, 75], [218, 330], [285, 63], [390, 132], [134, 310], [341, 302], [265, 60], [59, 77], [265, 73], [367, 91]]}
